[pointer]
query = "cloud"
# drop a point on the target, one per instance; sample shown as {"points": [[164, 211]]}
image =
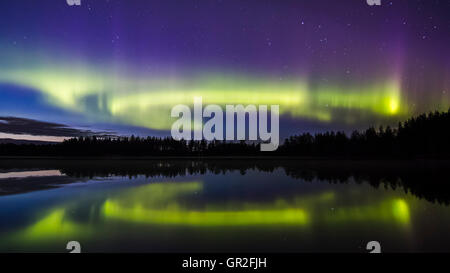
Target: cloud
{"points": [[23, 126]]}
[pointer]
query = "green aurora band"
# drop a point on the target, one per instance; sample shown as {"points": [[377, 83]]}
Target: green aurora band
{"points": [[165, 204], [146, 101]]}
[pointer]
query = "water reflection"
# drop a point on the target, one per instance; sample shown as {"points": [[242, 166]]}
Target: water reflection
{"points": [[132, 206], [424, 178], [24, 174], [159, 203], [55, 224], [231, 206]]}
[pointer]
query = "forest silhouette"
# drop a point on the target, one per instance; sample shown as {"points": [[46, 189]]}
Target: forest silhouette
{"points": [[424, 136]]}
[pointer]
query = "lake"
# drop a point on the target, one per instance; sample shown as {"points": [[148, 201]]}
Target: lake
{"points": [[224, 205]]}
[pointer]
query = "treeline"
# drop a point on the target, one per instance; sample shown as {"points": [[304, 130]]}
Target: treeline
{"points": [[132, 146], [427, 135], [153, 146]]}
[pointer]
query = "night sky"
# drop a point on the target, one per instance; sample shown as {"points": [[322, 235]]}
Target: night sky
{"points": [[120, 65]]}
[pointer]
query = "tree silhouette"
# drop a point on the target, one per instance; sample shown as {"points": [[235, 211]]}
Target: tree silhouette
{"points": [[426, 135]]}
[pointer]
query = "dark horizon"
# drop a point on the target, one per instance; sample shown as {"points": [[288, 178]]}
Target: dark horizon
{"points": [[425, 135]]}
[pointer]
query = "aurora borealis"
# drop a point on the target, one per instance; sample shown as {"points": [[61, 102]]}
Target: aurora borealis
{"points": [[172, 204], [121, 65]]}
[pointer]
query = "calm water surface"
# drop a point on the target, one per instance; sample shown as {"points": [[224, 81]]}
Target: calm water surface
{"points": [[214, 206]]}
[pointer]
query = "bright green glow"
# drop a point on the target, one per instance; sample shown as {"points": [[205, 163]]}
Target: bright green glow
{"points": [[53, 226], [158, 204], [169, 204], [63, 88], [174, 215], [401, 210], [389, 210], [147, 102], [383, 99]]}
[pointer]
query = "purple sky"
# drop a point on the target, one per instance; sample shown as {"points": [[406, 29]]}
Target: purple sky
{"points": [[343, 51]]}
